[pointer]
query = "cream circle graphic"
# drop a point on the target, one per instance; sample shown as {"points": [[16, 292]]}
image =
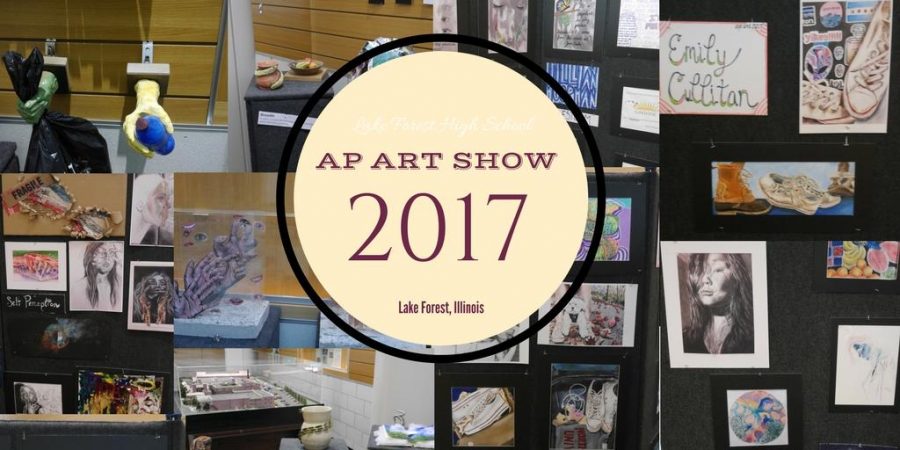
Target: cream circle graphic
{"points": [[440, 198]]}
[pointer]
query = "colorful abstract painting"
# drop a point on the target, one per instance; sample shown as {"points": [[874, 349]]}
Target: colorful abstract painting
{"points": [[582, 83], [757, 418], [862, 260], [615, 243], [106, 393]]}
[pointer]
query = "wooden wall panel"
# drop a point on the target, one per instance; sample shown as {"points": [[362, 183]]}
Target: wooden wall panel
{"points": [[157, 20], [334, 30], [115, 107]]}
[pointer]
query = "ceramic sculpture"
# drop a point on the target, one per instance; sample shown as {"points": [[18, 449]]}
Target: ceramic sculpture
{"points": [[147, 106], [315, 432]]}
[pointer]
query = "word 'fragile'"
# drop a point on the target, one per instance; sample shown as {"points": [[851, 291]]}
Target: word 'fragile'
{"points": [[431, 161]]}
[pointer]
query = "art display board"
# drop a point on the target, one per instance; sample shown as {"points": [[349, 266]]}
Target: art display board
{"points": [[714, 68], [85, 338], [801, 340]]}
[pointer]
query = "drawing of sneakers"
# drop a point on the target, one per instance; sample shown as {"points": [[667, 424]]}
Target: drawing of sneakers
{"points": [[781, 191], [810, 187], [866, 82], [595, 409], [822, 103]]}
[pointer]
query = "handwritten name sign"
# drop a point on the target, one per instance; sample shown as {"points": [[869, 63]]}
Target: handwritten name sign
{"points": [[716, 68], [42, 302]]}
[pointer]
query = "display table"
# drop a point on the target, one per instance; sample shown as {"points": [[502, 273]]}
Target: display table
{"points": [[371, 445], [294, 444], [269, 124], [268, 337]]}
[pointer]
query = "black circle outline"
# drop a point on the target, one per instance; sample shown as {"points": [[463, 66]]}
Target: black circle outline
{"points": [[292, 140]]}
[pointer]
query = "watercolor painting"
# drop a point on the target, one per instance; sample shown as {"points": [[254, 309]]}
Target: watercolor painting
{"points": [[508, 23], [97, 276], [599, 315], [615, 242], [716, 302], [845, 66], [757, 418], [584, 401], [57, 337], [573, 24], [582, 83], [483, 416], [517, 354], [866, 364], [108, 393], [37, 398], [783, 188], [36, 266], [152, 305], [152, 200], [862, 260]]}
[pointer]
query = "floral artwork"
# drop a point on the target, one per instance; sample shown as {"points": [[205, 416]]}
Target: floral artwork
{"points": [[862, 260], [599, 315], [757, 418], [615, 242]]}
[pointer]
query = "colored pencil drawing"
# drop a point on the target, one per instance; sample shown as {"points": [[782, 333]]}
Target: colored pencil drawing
{"points": [[39, 266], [483, 416], [863, 260], [866, 365], [757, 417], [615, 242], [584, 400], [599, 315]]}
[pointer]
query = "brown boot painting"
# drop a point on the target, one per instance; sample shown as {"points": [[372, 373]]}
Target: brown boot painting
{"points": [[733, 196]]}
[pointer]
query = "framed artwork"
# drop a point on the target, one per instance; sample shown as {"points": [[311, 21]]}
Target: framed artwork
{"points": [[845, 60], [575, 29], [34, 393], [152, 210], [864, 370], [151, 305], [105, 392], [806, 188], [96, 276], [635, 109], [716, 304], [632, 28], [584, 405], [735, 84], [508, 23], [622, 244], [483, 416], [516, 355], [36, 266], [583, 85], [757, 411], [41, 336], [857, 266], [600, 315]]}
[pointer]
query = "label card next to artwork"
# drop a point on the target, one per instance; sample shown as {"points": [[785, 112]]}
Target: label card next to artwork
{"points": [[714, 68], [40, 302]]}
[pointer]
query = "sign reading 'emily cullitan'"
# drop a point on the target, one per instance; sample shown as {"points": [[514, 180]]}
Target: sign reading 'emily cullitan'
{"points": [[717, 68]]}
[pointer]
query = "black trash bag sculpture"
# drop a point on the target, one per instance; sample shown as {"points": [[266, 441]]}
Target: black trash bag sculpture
{"points": [[59, 143]]}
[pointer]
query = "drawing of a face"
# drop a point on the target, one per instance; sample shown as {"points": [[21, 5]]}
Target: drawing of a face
{"points": [[156, 285], [157, 208], [104, 259], [716, 284], [27, 396]]}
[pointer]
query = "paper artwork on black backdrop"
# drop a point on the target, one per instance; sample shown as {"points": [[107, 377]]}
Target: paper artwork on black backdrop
{"points": [[37, 398], [757, 417], [573, 24], [599, 315], [516, 354], [151, 305], [444, 21], [97, 276], [615, 240], [584, 401], [862, 260], [713, 68], [856, 447], [57, 337], [508, 23], [866, 365], [638, 24], [152, 200], [640, 110], [783, 188], [582, 83], [50, 303], [845, 51], [36, 266], [716, 303], [330, 336], [483, 416]]}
